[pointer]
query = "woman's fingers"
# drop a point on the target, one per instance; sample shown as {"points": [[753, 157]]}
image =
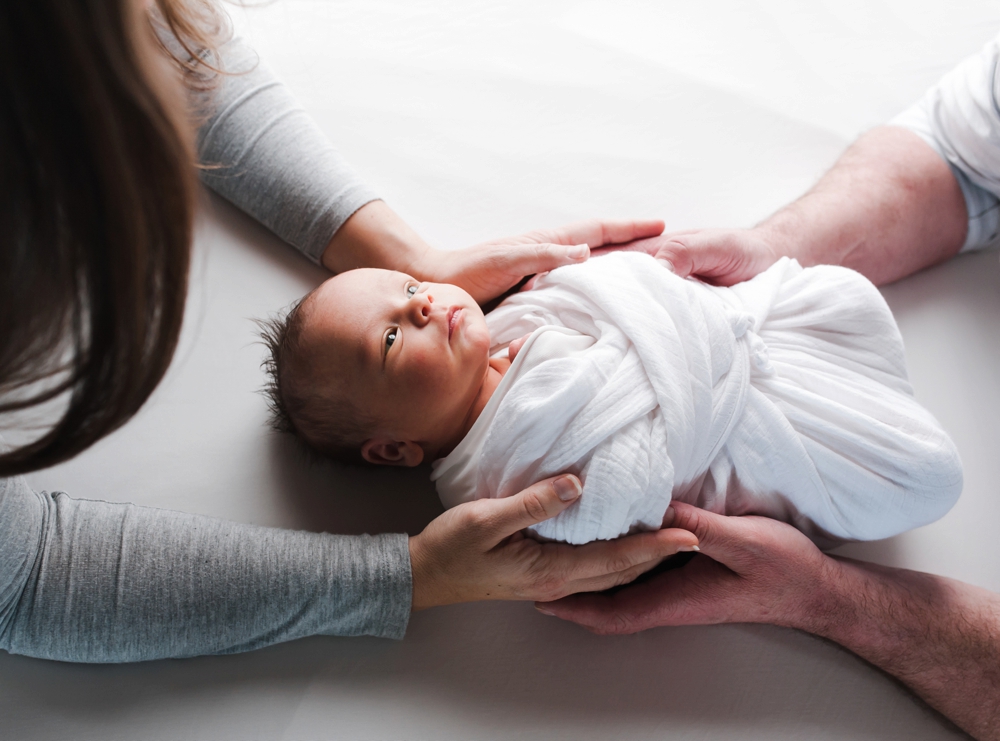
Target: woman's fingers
{"points": [[597, 232], [519, 260], [598, 565], [502, 518], [609, 581]]}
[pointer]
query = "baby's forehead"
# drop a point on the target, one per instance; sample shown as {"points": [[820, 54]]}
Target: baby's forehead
{"points": [[340, 316], [354, 285]]}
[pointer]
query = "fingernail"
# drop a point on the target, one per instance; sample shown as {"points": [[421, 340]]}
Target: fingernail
{"points": [[577, 251], [567, 488], [666, 263], [689, 549], [544, 611]]}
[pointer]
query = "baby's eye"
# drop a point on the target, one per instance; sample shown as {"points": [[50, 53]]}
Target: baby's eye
{"points": [[411, 290], [390, 338]]}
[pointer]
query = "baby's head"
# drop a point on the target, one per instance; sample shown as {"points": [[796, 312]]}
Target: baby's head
{"points": [[376, 365]]}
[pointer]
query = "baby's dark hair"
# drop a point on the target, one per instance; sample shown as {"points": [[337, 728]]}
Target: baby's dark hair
{"points": [[321, 415]]}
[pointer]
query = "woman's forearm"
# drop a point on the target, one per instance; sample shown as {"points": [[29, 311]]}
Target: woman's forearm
{"points": [[890, 206], [375, 237], [94, 581], [938, 636], [260, 150]]}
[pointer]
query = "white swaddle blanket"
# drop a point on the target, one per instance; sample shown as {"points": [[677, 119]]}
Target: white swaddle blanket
{"points": [[785, 396]]}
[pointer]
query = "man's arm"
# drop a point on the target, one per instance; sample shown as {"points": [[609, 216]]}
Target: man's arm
{"points": [[903, 197], [890, 206], [939, 636]]}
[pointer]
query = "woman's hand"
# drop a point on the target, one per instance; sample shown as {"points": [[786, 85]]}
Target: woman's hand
{"points": [[476, 551], [488, 270], [750, 570]]}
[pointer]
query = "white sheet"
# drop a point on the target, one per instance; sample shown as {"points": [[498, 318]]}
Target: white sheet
{"points": [[785, 396], [478, 118]]}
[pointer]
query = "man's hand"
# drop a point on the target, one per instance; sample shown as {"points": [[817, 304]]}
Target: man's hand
{"points": [[492, 268], [718, 256], [751, 569], [476, 551], [938, 636]]}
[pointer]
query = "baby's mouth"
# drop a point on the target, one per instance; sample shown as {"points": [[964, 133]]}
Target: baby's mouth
{"points": [[454, 316]]}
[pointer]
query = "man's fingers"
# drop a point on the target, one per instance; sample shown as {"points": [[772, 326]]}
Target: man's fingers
{"points": [[728, 540], [620, 232], [504, 517], [722, 256], [693, 254], [634, 608]]}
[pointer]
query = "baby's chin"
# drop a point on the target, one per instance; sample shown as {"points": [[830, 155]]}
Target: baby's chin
{"points": [[476, 331]]}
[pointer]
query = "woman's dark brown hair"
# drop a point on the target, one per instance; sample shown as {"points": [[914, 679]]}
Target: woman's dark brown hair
{"points": [[97, 197]]}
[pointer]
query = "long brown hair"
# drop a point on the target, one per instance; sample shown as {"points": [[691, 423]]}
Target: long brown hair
{"points": [[97, 196]]}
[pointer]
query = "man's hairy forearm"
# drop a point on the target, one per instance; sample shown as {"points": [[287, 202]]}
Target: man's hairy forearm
{"points": [[938, 636], [889, 207]]}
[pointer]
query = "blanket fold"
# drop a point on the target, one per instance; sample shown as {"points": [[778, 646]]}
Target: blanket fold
{"points": [[785, 396]]}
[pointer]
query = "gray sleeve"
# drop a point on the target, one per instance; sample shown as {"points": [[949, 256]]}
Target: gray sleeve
{"points": [[99, 582], [960, 119], [260, 150]]}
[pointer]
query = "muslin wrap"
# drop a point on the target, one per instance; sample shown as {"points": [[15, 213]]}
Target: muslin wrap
{"points": [[785, 396]]}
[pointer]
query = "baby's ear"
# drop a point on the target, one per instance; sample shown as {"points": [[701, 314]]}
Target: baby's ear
{"points": [[385, 452]]}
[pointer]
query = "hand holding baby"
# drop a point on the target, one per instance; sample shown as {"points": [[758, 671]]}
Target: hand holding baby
{"points": [[722, 257], [750, 570], [490, 269], [477, 551]]}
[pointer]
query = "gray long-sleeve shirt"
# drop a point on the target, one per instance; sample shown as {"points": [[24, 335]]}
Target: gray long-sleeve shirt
{"points": [[101, 582]]}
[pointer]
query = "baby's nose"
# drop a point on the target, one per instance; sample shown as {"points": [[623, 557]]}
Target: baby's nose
{"points": [[424, 306]]}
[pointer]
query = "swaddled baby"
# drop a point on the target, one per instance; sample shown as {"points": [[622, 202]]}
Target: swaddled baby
{"points": [[784, 396]]}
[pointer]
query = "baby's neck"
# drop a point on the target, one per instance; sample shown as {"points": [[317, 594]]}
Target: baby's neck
{"points": [[494, 374]]}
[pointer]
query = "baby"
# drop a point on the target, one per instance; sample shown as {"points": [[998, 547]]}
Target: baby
{"points": [[784, 396]]}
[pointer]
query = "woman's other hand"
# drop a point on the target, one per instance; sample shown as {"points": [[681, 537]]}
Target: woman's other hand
{"points": [[476, 551], [376, 237], [488, 270]]}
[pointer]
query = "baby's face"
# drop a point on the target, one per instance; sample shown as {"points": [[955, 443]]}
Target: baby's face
{"points": [[414, 354]]}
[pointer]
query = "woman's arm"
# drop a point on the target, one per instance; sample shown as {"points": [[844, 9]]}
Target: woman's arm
{"points": [[938, 636], [264, 153], [260, 150], [100, 582], [94, 581]]}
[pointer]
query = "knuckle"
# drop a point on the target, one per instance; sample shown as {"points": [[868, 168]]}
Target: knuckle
{"points": [[616, 624], [619, 563], [549, 588], [622, 624], [534, 507], [477, 519]]}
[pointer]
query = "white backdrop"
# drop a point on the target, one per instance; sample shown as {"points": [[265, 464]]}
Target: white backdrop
{"points": [[477, 119]]}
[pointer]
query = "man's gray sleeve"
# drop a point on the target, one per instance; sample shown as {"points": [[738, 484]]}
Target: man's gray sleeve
{"points": [[260, 150], [99, 582], [960, 120]]}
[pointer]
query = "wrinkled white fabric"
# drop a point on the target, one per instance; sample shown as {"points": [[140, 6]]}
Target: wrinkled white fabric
{"points": [[959, 118], [785, 396]]}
